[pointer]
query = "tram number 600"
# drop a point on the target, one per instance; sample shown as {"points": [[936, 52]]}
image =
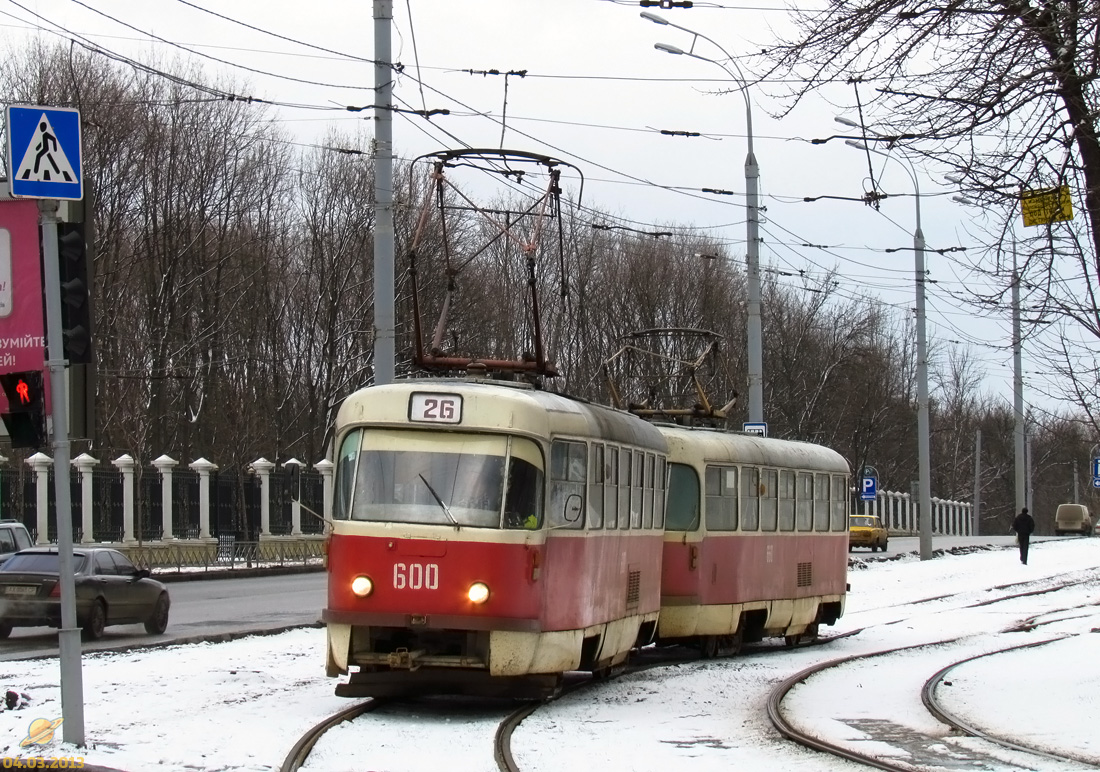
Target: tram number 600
{"points": [[416, 576]]}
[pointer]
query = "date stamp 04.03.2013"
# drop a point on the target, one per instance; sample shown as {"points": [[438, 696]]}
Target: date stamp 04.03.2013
{"points": [[41, 762]]}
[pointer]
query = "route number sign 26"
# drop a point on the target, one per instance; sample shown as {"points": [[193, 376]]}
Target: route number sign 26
{"points": [[435, 408]]}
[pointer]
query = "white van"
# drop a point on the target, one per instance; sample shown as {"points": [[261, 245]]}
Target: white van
{"points": [[1072, 518]]}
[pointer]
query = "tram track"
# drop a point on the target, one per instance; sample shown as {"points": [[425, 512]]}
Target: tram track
{"points": [[645, 659], [928, 697], [298, 754], [649, 658], [1027, 757]]}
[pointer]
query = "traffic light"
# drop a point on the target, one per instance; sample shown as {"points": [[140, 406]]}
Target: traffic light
{"points": [[76, 292], [26, 416]]}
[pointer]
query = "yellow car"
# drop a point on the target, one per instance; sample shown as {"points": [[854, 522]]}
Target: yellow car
{"points": [[866, 531]]}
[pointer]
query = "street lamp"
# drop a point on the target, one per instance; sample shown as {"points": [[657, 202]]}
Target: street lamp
{"points": [[755, 348], [924, 485]]}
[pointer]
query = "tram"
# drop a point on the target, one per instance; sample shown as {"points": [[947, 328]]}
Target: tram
{"points": [[489, 537], [756, 539]]}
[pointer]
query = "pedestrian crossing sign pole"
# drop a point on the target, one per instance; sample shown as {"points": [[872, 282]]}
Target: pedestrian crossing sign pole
{"points": [[44, 152], [44, 163]]}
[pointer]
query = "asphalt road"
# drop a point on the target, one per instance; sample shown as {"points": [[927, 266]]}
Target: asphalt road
{"points": [[201, 610], [900, 545], [217, 609]]}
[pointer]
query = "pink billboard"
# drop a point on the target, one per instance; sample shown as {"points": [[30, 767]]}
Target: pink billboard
{"points": [[22, 328]]}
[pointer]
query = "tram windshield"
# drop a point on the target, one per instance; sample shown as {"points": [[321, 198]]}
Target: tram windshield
{"points": [[486, 481]]}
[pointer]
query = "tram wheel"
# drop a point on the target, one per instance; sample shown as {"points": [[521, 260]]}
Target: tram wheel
{"points": [[713, 646], [709, 646], [809, 635]]}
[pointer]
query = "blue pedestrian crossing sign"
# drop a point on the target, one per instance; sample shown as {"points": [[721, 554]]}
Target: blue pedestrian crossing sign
{"points": [[44, 152], [1096, 467]]}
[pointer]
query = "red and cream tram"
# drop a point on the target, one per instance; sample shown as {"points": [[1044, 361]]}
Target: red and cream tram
{"points": [[488, 537], [756, 539]]}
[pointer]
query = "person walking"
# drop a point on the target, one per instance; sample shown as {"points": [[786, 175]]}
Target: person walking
{"points": [[1023, 525]]}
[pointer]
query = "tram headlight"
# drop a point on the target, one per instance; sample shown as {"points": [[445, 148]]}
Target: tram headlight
{"points": [[478, 592], [362, 586]]}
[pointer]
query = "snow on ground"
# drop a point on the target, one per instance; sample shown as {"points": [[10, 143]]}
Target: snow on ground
{"points": [[241, 705]]}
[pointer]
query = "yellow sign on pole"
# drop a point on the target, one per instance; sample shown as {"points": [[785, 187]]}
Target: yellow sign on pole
{"points": [[1046, 205]]}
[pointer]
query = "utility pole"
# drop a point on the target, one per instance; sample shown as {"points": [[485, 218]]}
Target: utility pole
{"points": [[384, 333], [1027, 473], [924, 464], [1018, 386]]}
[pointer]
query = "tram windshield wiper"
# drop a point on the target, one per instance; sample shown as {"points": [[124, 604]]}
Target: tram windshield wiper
{"points": [[439, 500]]}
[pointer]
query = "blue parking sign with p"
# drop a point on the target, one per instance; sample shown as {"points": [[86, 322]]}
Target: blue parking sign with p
{"points": [[869, 489]]}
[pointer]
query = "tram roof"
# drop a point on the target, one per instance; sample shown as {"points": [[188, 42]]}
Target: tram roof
{"points": [[499, 406], [699, 445]]}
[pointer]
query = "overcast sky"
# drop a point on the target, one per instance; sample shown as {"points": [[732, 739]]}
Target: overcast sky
{"points": [[596, 94]]}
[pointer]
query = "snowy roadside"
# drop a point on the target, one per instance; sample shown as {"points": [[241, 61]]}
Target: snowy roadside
{"points": [[241, 705]]}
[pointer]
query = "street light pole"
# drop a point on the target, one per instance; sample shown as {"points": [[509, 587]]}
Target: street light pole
{"points": [[924, 464], [755, 347]]}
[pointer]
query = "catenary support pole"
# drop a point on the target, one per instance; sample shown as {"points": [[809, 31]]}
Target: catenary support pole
{"points": [[755, 344], [924, 465], [384, 335], [1018, 387], [1028, 490]]}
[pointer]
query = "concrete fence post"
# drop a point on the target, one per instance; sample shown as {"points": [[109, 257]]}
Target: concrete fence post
{"points": [[41, 463], [294, 466], [84, 464], [326, 468], [164, 465], [261, 467], [204, 468], [126, 464]]}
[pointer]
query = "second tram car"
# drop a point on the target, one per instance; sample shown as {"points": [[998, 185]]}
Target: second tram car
{"points": [[756, 539], [489, 537]]}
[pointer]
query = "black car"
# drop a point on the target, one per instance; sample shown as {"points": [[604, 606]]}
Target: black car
{"points": [[110, 590]]}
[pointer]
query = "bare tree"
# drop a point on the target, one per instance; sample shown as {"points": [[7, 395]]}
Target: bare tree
{"points": [[1005, 92]]}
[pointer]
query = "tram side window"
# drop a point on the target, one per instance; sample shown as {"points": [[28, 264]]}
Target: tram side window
{"points": [[769, 499], [611, 488], [659, 493], [595, 487], [647, 493], [839, 500], [786, 500], [346, 465], [637, 471], [721, 488], [804, 505], [624, 489], [568, 474], [750, 498], [821, 502], [523, 502], [683, 498]]}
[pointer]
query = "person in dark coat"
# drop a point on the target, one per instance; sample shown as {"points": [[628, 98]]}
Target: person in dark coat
{"points": [[1023, 525]]}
